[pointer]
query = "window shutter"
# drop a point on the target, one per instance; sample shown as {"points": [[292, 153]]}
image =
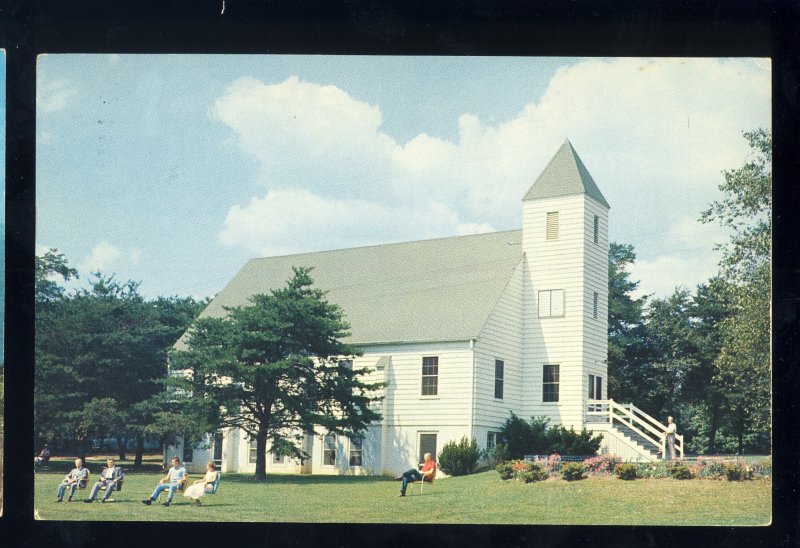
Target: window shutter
{"points": [[552, 225]]}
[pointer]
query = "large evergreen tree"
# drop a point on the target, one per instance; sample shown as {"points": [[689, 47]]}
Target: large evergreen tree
{"points": [[277, 369], [626, 340], [100, 357]]}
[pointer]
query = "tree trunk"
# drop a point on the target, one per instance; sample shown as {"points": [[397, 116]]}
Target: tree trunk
{"points": [[261, 454], [740, 429], [121, 442], [83, 448], [714, 426], [137, 460]]}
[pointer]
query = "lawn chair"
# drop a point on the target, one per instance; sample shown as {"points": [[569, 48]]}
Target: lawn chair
{"points": [[84, 482], [118, 488], [216, 484], [421, 483]]}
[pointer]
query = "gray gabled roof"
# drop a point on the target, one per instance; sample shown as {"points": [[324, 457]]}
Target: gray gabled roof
{"points": [[565, 174], [430, 290]]}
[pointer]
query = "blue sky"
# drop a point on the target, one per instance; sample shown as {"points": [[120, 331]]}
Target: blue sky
{"points": [[175, 170]]}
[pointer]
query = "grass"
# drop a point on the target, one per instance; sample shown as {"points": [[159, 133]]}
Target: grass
{"points": [[480, 498]]}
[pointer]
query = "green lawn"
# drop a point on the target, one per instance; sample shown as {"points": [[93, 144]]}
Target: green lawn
{"points": [[481, 498]]}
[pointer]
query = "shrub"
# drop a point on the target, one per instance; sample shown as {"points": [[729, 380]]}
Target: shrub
{"points": [[523, 437], [602, 464], [506, 470], [459, 459], [626, 471], [656, 470], [762, 469], [680, 471], [496, 455], [532, 471], [536, 438], [713, 468], [735, 471], [569, 442], [572, 471], [523, 471]]}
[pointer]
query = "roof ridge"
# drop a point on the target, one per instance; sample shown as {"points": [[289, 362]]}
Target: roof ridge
{"points": [[405, 242]]}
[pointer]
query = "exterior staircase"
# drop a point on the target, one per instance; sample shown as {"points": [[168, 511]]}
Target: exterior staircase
{"points": [[628, 431]]}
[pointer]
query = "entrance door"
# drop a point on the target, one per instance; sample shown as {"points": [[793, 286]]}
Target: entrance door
{"points": [[218, 448], [427, 444]]}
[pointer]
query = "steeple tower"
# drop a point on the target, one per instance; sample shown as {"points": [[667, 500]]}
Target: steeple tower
{"points": [[565, 241], [564, 175]]}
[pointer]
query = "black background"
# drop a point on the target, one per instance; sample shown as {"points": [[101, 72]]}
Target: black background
{"points": [[478, 27]]}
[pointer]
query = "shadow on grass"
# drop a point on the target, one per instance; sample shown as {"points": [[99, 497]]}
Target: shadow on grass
{"points": [[93, 463], [297, 479]]}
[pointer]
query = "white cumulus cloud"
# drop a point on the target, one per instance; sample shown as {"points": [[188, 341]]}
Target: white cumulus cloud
{"points": [[109, 259], [54, 95], [654, 133], [296, 220]]}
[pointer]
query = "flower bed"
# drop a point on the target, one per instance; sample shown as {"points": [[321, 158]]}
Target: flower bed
{"points": [[542, 467]]}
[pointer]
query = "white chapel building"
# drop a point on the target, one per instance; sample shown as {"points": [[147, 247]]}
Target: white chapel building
{"points": [[463, 330]]}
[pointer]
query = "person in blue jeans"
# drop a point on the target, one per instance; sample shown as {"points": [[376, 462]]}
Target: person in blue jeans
{"points": [[77, 476], [427, 470], [109, 478], [176, 476]]}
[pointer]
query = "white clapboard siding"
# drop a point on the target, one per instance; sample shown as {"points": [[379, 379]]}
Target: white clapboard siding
{"points": [[595, 342], [405, 404], [578, 266], [500, 339]]}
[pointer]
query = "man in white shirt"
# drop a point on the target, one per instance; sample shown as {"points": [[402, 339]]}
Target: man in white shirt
{"points": [[71, 481], [176, 477]]}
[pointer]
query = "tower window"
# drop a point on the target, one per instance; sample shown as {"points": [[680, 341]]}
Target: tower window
{"points": [[596, 228], [551, 303], [594, 305], [552, 225], [498, 379]]}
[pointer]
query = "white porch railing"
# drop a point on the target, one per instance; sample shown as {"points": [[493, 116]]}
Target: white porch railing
{"points": [[634, 418]]}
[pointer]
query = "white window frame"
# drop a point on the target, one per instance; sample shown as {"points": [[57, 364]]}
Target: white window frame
{"points": [[556, 383], [546, 298], [351, 451], [252, 450], [500, 379], [325, 449], [429, 376]]}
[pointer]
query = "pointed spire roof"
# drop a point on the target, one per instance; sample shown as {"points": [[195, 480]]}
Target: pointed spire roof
{"points": [[565, 174]]}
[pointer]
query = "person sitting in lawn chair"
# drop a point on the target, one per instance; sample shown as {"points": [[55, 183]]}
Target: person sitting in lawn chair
{"points": [[426, 473], [43, 458], [76, 479], [176, 478], [202, 486], [110, 478]]}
